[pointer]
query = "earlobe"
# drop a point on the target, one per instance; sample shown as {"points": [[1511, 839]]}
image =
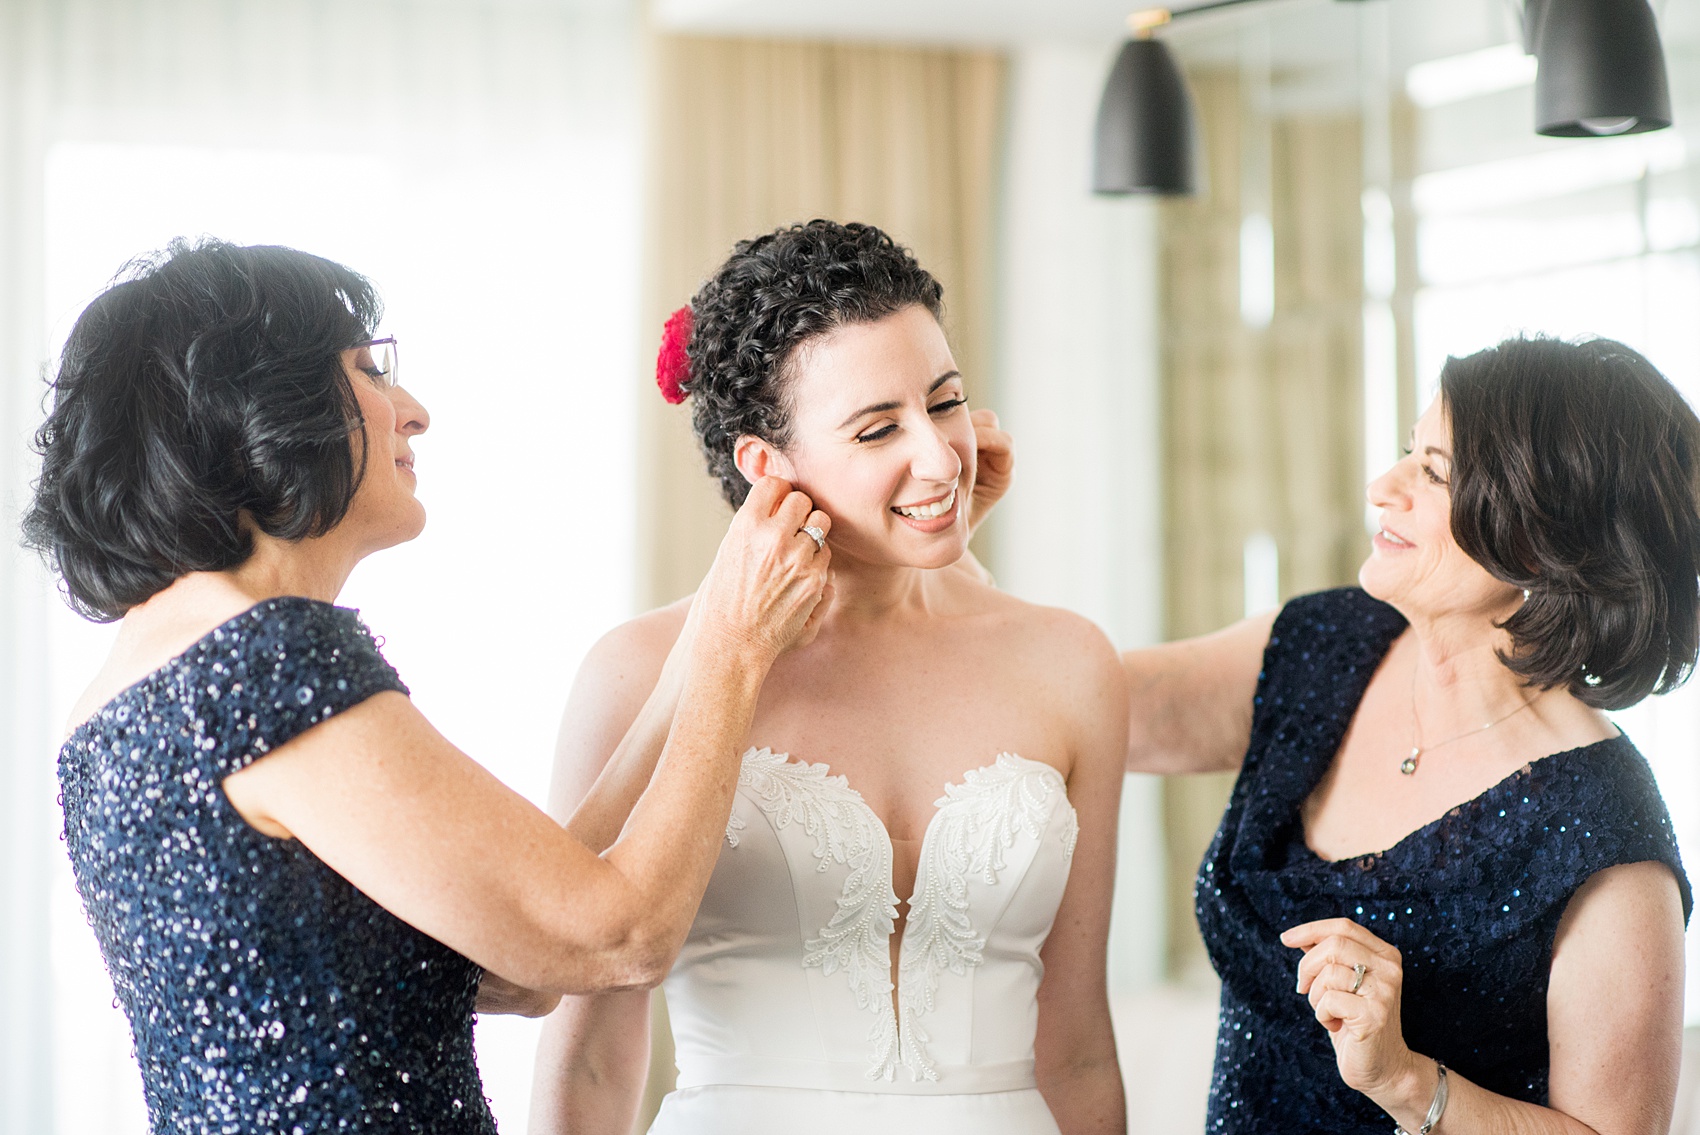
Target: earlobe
{"points": [[756, 459]]}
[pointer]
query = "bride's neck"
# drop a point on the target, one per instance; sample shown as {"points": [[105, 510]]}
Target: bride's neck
{"points": [[866, 593]]}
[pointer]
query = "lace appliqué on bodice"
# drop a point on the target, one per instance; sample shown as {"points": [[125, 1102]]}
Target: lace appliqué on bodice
{"points": [[845, 831], [976, 823]]}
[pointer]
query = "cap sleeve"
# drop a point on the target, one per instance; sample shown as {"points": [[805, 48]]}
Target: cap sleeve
{"points": [[276, 671], [1603, 812]]}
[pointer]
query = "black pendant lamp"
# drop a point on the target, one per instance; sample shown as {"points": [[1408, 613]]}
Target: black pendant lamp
{"points": [[1145, 120], [1601, 70], [1145, 123]]}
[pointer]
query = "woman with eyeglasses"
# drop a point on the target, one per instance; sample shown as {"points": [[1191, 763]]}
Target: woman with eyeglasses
{"points": [[296, 882]]}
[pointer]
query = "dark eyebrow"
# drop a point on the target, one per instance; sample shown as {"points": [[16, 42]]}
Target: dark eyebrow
{"points": [[882, 407], [1436, 451]]}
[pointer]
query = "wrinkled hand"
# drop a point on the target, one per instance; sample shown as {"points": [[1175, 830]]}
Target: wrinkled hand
{"points": [[1369, 1041], [994, 466], [770, 585]]}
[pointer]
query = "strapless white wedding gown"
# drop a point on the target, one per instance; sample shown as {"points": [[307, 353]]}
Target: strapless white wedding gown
{"points": [[781, 1002]]}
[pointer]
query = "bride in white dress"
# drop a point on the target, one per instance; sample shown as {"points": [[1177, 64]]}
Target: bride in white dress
{"points": [[906, 928]]}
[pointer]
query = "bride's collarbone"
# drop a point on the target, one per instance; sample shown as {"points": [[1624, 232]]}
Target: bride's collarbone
{"points": [[904, 725]]}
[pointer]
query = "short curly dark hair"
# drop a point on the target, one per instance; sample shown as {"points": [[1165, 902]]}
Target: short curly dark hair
{"points": [[1576, 475], [772, 295], [204, 386]]}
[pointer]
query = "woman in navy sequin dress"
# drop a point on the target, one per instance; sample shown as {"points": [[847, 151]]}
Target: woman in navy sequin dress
{"points": [[1446, 887], [298, 884]]}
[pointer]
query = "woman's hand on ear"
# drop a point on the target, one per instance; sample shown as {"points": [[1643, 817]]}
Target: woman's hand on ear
{"points": [[994, 466], [770, 578]]}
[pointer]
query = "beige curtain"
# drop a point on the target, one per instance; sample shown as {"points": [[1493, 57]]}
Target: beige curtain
{"points": [[748, 135], [1262, 426]]}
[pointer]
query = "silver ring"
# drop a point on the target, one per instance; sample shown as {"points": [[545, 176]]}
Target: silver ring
{"points": [[814, 534], [1358, 972]]}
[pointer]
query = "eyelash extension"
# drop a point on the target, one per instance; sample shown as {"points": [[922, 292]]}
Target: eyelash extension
{"points": [[1430, 473], [862, 439]]}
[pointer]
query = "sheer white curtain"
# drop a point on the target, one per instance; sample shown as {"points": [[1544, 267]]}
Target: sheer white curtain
{"points": [[478, 159]]}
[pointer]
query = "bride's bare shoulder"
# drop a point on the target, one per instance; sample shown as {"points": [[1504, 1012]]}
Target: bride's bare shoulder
{"points": [[1059, 640], [1067, 666], [616, 677], [636, 649], [1067, 628]]}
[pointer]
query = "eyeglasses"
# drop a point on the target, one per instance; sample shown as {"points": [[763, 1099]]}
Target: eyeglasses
{"points": [[385, 360]]}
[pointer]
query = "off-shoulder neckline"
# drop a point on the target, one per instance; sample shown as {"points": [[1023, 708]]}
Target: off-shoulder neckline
{"points": [[1473, 804], [1368, 656]]}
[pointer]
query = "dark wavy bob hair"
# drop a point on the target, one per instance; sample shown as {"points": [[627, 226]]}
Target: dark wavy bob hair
{"points": [[202, 393], [1576, 475], [772, 295]]}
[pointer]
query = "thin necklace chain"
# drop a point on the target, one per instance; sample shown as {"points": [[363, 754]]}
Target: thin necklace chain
{"points": [[1408, 766]]}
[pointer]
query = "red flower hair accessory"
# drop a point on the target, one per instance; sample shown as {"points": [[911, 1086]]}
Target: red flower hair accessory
{"points": [[673, 365]]}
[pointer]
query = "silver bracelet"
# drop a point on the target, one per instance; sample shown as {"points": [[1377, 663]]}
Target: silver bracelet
{"points": [[1435, 1109]]}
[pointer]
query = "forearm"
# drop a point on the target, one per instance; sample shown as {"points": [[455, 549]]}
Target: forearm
{"points": [[668, 847], [598, 819], [1190, 702], [1473, 1110], [1086, 1096], [592, 1064]]}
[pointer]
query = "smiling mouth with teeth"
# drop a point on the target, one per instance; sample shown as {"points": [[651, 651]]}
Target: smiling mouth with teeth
{"points": [[927, 511]]}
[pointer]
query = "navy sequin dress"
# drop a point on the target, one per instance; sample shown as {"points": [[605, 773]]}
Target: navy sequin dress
{"points": [[265, 993], [1472, 901]]}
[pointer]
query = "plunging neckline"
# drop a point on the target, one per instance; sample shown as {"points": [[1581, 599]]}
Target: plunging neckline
{"points": [[962, 782], [986, 808]]}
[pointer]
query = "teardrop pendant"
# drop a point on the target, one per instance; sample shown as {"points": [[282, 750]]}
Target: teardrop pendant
{"points": [[1408, 766]]}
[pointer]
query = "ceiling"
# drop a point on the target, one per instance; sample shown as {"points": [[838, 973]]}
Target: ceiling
{"points": [[953, 22], [1302, 33]]}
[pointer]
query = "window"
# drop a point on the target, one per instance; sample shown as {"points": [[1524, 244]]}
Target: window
{"points": [[1517, 233]]}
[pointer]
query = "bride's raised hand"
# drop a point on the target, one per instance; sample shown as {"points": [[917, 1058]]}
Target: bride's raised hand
{"points": [[770, 580]]}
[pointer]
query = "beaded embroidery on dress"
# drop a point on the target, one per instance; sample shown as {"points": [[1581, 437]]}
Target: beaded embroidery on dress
{"points": [[1472, 901], [266, 994], [782, 1001]]}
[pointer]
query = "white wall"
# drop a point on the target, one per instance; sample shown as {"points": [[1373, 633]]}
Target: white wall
{"points": [[1077, 386], [1081, 529]]}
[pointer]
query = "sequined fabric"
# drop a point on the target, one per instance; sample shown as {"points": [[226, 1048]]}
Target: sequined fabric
{"points": [[265, 993], [1472, 901]]}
